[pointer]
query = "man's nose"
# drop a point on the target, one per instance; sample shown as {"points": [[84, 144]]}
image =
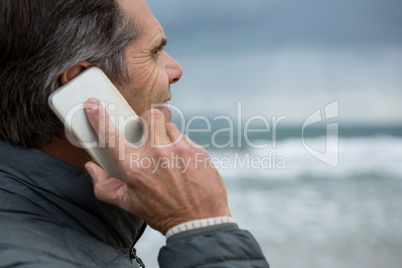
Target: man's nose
{"points": [[174, 70]]}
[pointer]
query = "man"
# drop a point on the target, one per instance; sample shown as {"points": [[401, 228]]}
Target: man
{"points": [[49, 214]]}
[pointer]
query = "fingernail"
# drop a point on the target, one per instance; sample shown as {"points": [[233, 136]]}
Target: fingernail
{"points": [[92, 105]]}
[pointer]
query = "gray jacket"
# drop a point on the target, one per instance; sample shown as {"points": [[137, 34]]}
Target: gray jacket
{"points": [[50, 218]]}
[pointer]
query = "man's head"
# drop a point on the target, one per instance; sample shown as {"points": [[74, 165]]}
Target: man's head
{"points": [[151, 69], [42, 41]]}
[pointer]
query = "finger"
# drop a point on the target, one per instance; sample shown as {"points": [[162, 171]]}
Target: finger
{"points": [[97, 173], [193, 143], [167, 113], [176, 136], [164, 108], [173, 133], [104, 127], [155, 123], [106, 188]]}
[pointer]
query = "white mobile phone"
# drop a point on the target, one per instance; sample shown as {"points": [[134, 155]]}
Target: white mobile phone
{"points": [[67, 102]]}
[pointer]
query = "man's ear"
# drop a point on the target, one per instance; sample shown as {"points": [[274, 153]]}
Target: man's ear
{"points": [[74, 71]]}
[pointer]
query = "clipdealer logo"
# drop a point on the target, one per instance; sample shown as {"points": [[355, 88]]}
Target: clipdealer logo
{"points": [[236, 137], [330, 155]]}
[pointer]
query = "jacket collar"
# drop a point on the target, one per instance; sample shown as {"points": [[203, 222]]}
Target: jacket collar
{"points": [[66, 194]]}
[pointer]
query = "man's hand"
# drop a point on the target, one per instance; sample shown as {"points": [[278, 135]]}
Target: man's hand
{"points": [[183, 186]]}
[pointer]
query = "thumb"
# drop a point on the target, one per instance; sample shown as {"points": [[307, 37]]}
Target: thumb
{"points": [[106, 188]]}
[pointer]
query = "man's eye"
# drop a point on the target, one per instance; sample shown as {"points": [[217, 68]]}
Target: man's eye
{"points": [[157, 51]]}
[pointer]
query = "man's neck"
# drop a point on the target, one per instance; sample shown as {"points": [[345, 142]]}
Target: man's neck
{"points": [[64, 150]]}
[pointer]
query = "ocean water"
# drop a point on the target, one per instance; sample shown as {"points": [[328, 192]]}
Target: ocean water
{"points": [[306, 213]]}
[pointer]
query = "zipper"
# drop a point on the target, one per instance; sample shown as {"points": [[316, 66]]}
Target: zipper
{"points": [[133, 255]]}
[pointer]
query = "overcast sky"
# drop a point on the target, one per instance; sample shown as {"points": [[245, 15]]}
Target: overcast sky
{"points": [[286, 57]]}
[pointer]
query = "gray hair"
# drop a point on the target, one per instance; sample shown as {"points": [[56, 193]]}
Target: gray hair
{"points": [[40, 40]]}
